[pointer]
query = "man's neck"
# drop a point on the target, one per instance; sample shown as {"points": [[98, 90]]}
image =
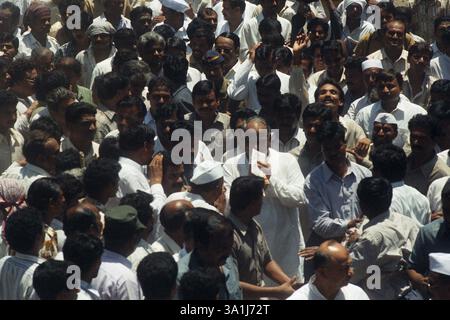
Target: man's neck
{"points": [[113, 19], [136, 158], [178, 238], [83, 145], [287, 134], [352, 24], [101, 54], [393, 53], [339, 168], [269, 14], [419, 159], [234, 24], [328, 290], [390, 105], [19, 92], [41, 38], [313, 147], [243, 218], [124, 252], [415, 74]]}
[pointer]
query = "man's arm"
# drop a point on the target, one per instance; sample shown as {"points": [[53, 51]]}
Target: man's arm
{"points": [[255, 292]]}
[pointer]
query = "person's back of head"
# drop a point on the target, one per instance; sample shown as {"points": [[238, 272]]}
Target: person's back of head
{"points": [[375, 196], [101, 175], [50, 281], [135, 138], [67, 160], [200, 284], [57, 96], [43, 193], [239, 117], [175, 68], [34, 148], [141, 201], [72, 188], [81, 219], [317, 110], [48, 81], [389, 162], [24, 231], [123, 56], [108, 85], [331, 131], [164, 31], [174, 214], [109, 148], [47, 125], [246, 193], [85, 251], [157, 275], [125, 38], [269, 84]]}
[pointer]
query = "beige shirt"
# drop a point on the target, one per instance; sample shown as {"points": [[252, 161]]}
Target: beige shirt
{"points": [[105, 122], [400, 65], [422, 177], [353, 132], [10, 149], [422, 97]]}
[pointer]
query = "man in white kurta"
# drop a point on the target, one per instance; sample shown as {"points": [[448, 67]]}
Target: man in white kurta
{"points": [[279, 216]]}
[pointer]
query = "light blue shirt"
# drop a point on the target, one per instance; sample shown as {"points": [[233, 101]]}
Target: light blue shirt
{"points": [[332, 201]]}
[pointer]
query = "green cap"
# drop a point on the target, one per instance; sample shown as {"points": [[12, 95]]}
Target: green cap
{"points": [[124, 214]]}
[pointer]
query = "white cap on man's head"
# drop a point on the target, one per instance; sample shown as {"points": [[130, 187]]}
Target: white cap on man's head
{"points": [[385, 118], [176, 5], [206, 172], [440, 262], [371, 63]]}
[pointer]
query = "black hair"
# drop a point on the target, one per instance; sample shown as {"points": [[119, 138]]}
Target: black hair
{"points": [[167, 110], [42, 192], [210, 226], [48, 81], [289, 102], [241, 113], [86, 20], [7, 99], [198, 28], [18, 69], [68, 64], [67, 160], [34, 145], [79, 222], [237, 3], [47, 125], [269, 25], [107, 85], [77, 110], [403, 14], [134, 138], [100, 173], [439, 111], [354, 62], [164, 31], [376, 194], [389, 75], [137, 71], [124, 38], [131, 101], [333, 83], [123, 56], [72, 188], [22, 229], [440, 20], [390, 161], [284, 55], [317, 22], [140, 10], [50, 278], [440, 86], [200, 284], [175, 68], [317, 110], [63, 4], [176, 43], [420, 47], [109, 148], [330, 131], [157, 275], [270, 82], [425, 122], [202, 88], [160, 82], [388, 7], [15, 10], [264, 53], [332, 47], [141, 202], [6, 37], [244, 191], [275, 40], [83, 250], [232, 36]]}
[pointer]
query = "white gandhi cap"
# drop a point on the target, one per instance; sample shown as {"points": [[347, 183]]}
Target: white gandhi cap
{"points": [[206, 172], [440, 263], [176, 5], [371, 63], [385, 118]]}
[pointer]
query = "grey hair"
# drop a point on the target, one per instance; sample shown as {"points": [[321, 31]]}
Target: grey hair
{"points": [[56, 96], [136, 67], [39, 52], [150, 38], [258, 119]]}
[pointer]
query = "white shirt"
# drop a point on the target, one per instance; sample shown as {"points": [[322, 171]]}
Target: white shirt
{"points": [[16, 276], [88, 63], [408, 201], [165, 244], [101, 68], [250, 34], [332, 201], [400, 65], [310, 292], [434, 193], [279, 217], [248, 12], [196, 200], [225, 27], [115, 279], [143, 249], [444, 156], [404, 112], [440, 67], [357, 34], [193, 76], [123, 23], [87, 292], [29, 43], [27, 174], [132, 179]]}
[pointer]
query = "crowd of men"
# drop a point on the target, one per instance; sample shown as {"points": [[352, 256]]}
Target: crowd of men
{"points": [[120, 161]]}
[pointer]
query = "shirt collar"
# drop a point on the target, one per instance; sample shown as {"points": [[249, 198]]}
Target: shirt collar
{"points": [[328, 173], [403, 55], [379, 218], [173, 246], [131, 163], [316, 291], [29, 257], [115, 257], [398, 184], [36, 170], [241, 227]]}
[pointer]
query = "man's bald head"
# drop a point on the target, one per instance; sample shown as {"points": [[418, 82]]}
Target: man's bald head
{"points": [[173, 215], [257, 123], [83, 218], [328, 251]]}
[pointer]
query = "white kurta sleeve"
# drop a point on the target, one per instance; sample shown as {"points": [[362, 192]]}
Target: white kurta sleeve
{"points": [[297, 85], [238, 87]]}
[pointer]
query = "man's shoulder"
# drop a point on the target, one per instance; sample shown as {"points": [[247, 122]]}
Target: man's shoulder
{"points": [[353, 292], [302, 293], [375, 55]]}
